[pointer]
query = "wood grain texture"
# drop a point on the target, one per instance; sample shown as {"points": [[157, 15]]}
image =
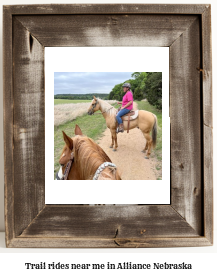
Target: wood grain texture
{"points": [[109, 222], [185, 116], [207, 66], [207, 122], [34, 242], [185, 29], [208, 183], [29, 130], [106, 9], [8, 124], [107, 30]]}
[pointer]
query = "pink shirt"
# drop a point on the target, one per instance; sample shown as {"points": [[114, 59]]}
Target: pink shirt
{"points": [[126, 98]]}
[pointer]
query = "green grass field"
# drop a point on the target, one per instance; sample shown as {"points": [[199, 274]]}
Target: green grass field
{"points": [[157, 152], [64, 101], [93, 127]]}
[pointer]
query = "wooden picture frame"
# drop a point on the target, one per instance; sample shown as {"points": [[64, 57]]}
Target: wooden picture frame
{"points": [[186, 30]]}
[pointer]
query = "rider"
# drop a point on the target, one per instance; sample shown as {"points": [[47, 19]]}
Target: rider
{"points": [[127, 105]]}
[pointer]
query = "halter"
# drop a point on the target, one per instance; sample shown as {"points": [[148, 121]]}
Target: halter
{"points": [[68, 167], [95, 177], [93, 106], [101, 168]]}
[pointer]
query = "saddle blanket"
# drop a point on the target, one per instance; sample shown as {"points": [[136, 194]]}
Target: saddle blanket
{"points": [[133, 117]]}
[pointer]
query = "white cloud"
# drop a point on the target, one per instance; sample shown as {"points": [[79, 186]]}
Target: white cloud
{"points": [[88, 82]]}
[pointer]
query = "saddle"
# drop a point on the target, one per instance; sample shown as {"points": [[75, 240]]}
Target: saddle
{"points": [[132, 115]]}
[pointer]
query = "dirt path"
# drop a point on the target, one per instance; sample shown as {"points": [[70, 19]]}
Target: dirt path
{"points": [[129, 157]]}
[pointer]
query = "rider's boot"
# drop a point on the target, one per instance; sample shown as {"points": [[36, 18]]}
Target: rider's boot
{"points": [[120, 128]]}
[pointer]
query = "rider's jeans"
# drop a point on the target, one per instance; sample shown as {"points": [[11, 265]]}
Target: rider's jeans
{"points": [[120, 114]]}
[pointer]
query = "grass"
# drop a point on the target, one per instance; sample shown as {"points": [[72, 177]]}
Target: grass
{"points": [[94, 126], [68, 112], [63, 101], [91, 126], [157, 152]]}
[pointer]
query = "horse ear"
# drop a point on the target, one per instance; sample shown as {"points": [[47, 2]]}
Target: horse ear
{"points": [[78, 130], [68, 140], [95, 98]]}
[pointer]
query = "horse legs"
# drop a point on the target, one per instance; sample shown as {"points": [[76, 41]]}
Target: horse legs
{"points": [[114, 139], [111, 146], [145, 148], [148, 144]]}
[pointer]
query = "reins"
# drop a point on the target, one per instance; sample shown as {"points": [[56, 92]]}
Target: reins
{"points": [[97, 173], [102, 167], [68, 167], [104, 111]]}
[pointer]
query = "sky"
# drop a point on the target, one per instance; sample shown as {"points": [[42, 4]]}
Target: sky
{"points": [[88, 82]]}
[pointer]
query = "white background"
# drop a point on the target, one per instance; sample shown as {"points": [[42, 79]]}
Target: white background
{"points": [[203, 258], [109, 59]]}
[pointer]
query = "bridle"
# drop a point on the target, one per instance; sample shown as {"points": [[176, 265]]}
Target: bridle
{"points": [[102, 167], [96, 175], [68, 167], [94, 105]]}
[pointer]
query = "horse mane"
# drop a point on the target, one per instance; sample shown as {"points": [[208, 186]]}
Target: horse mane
{"points": [[89, 156], [107, 106]]}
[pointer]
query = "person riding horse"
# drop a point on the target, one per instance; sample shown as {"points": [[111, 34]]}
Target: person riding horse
{"points": [[127, 105]]}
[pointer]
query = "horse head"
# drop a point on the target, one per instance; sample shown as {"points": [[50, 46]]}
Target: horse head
{"points": [[83, 159], [67, 156], [68, 148], [95, 106]]}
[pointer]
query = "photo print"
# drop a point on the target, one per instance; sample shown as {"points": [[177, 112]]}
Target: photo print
{"points": [[111, 126]]}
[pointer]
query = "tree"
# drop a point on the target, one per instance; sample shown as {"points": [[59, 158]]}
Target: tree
{"points": [[143, 85], [153, 89]]}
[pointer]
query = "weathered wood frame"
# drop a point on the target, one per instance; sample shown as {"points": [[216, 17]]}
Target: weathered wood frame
{"points": [[186, 29]]}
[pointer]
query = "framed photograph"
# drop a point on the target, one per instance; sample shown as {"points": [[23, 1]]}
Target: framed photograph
{"points": [[46, 43], [67, 74]]}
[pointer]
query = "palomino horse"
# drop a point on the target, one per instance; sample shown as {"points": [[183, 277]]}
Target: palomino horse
{"points": [[146, 122], [83, 159]]}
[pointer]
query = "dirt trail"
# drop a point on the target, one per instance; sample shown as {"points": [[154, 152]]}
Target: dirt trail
{"points": [[129, 157]]}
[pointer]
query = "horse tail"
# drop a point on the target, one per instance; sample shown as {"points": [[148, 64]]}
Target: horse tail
{"points": [[154, 132]]}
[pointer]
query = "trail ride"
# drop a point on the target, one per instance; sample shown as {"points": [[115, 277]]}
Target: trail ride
{"points": [[138, 132], [146, 121], [83, 159]]}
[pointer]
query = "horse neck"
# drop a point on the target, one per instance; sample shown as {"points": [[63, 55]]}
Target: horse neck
{"points": [[109, 174], [106, 111], [88, 156], [77, 173], [74, 173]]}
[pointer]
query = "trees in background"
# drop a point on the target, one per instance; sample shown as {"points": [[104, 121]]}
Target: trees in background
{"points": [[143, 85], [80, 96], [153, 89]]}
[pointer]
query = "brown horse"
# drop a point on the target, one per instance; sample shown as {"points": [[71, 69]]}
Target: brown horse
{"points": [[83, 159], [146, 122]]}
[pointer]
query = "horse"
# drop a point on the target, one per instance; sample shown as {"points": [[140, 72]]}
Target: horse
{"points": [[146, 122], [83, 159]]}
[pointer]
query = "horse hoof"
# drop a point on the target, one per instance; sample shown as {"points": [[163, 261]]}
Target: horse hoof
{"points": [[114, 150], [143, 151], [146, 157], [110, 147]]}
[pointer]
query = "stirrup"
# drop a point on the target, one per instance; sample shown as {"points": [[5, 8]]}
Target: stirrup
{"points": [[118, 130]]}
